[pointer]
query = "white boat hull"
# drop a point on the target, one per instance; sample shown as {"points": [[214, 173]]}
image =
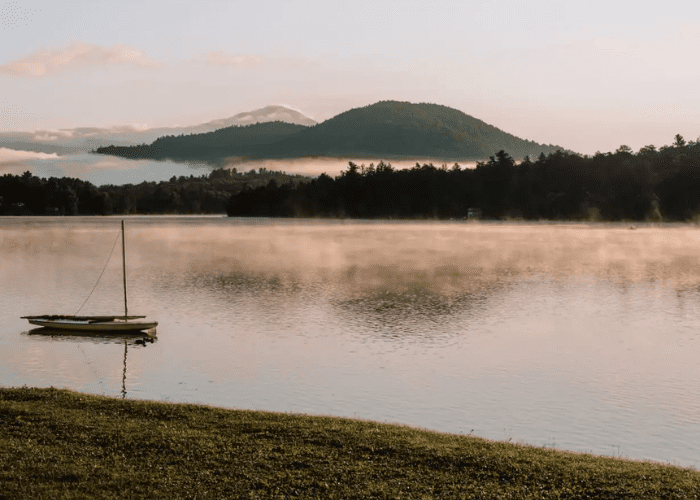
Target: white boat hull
{"points": [[87, 326], [107, 324]]}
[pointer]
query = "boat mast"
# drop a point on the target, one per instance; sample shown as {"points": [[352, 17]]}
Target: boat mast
{"points": [[124, 271]]}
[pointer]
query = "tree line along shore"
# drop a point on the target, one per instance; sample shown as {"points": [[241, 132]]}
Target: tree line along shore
{"points": [[650, 185], [27, 194], [63, 444]]}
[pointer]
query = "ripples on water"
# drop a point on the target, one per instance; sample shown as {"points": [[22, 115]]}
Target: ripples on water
{"points": [[573, 336]]}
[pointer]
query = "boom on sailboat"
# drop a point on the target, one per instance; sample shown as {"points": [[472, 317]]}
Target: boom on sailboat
{"points": [[116, 323]]}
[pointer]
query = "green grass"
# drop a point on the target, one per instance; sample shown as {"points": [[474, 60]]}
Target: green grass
{"points": [[61, 444]]}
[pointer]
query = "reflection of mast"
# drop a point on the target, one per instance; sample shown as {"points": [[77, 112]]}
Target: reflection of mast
{"points": [[124, 374]]}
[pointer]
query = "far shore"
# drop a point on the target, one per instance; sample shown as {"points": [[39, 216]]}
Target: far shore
{"points": [[59, 444]]}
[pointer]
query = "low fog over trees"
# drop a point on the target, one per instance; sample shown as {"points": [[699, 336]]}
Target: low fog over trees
{"points": [[649, 185], [652, 184]]}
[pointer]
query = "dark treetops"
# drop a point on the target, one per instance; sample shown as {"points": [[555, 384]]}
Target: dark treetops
{"points": [[650, 185], [29, 195]]}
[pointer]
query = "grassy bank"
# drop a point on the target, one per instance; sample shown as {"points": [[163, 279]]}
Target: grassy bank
{"points": [[62, 444]]}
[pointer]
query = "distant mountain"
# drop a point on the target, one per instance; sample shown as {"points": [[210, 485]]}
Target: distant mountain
{"points": [[210, 147], [262, 115], [387, 129], [393, 129], [84, 139]]}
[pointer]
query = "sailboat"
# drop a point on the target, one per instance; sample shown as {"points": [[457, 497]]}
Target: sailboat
{"points": [[117, 323]]}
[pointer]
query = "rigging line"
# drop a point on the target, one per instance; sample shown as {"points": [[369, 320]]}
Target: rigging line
{"points": [[100, 277]]}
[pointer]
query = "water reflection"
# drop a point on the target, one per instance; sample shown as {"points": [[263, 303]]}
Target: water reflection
{"points": [[414, 313], [142, 339], [135, 340], [583, 335]]}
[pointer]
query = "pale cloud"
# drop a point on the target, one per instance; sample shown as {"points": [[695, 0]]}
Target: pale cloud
{"points": [[15, 162], [298, 110], [46, 136], [8, 155], [219, 58], [50, 61], [80, 132]]}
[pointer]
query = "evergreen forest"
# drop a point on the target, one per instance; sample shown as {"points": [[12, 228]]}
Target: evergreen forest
{"points": [[27, 194], [387, 129], [651, 185]]}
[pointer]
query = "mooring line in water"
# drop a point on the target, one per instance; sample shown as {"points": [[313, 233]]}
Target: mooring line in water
{"points": [[100, 277]]}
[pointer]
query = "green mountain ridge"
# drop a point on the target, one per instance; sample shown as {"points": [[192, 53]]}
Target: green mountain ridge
{"points": [[388, 129]]}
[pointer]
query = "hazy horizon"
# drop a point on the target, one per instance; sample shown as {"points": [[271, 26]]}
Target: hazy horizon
{"points": [[588, 77]]}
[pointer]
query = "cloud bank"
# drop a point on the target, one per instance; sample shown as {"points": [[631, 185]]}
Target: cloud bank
{"points": [[8, 155], [79, 55], [82, 55], [15, 162]]}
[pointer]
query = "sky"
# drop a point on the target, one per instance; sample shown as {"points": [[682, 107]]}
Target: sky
{"points": [[587, 76]]}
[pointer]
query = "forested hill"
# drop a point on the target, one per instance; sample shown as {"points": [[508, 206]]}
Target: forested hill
{"points": [[237, 140], [387, 129], [393, 129]]}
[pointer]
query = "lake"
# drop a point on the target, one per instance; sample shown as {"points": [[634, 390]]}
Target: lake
{"points": [[581, 337]]}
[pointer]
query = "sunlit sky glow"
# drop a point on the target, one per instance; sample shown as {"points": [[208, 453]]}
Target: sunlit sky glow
{"points": [[587, 76]]}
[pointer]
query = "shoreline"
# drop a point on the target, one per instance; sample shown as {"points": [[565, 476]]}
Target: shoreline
{"points": [[56, 443]]}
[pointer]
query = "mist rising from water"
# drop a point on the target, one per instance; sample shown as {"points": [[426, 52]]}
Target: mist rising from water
{"points": [[434, 254]]}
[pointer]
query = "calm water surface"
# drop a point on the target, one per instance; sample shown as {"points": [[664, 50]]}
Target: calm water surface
{"points": [[578, 337]]}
